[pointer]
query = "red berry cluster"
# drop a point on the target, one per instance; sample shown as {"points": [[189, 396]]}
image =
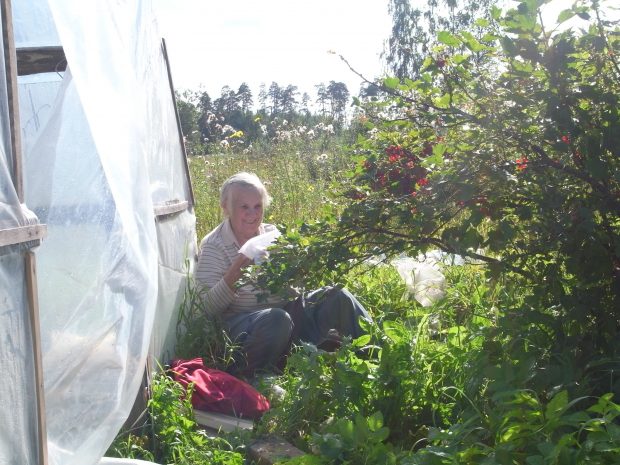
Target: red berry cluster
{"points": [[399, 172], [576, 153], [521, 163]]}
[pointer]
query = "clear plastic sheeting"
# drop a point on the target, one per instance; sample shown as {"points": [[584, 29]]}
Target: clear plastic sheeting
{"points": [[10, 210], [5, 149], [166, 156], [101, 148], [37, 97], [18, 431], [116, 461], [27, 13], [9, 203], [177, 247], [96, 285], [423, 278]]}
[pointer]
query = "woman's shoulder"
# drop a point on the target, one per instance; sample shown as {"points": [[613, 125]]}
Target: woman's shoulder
{"points": [[215, 236]]}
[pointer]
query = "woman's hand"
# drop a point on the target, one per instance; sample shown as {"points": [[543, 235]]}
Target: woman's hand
{"points": [[235, 271]]}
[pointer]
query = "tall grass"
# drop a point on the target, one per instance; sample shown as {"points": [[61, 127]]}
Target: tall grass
{"points": [[298, 179]]}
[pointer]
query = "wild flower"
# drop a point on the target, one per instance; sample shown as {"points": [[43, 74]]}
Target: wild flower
{"points": [[228, 129], [521, 163]]}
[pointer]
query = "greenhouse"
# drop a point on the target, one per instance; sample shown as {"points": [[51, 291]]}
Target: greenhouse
{"points": [[97, 224]]}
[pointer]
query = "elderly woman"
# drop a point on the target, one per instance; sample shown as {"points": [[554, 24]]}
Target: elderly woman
{"points": [[263, 330]]}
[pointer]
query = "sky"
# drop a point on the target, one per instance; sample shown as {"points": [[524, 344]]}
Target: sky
{"points": [[213, 43]]}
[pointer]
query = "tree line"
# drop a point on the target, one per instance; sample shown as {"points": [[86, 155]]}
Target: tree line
{"points": [[206, 122]]}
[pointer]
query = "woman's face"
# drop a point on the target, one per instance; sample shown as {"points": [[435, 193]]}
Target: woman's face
{"points": [[245, 212]]}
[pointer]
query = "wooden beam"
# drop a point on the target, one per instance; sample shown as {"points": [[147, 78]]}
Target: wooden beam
{"points": [[10, 66], [179, 128], [22, 234], [219, 421], [35, 60], [35, 325], [171, 207]]}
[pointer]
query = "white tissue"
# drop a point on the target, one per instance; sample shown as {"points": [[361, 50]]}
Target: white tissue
{"points": [[256, 248]]}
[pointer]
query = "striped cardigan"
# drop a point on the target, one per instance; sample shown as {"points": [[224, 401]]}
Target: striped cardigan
{"points": [[217, 251]]}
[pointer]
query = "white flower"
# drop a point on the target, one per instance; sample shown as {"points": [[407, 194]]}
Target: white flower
{"points": [[228, 129], [322, 158]]}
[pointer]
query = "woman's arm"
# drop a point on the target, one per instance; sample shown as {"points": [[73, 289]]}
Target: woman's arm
{"points": [[216, 275]]}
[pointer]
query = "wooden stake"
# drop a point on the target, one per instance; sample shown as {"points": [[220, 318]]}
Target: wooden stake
{"points": [[33, 304]]}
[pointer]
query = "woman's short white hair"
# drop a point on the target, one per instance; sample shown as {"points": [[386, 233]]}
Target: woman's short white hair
{"points": [[242, 179]]}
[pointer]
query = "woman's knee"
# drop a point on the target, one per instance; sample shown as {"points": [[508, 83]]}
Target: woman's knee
{"points": [[276, 325], [347, 301]]}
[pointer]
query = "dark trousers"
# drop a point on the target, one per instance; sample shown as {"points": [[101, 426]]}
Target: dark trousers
{"points": [[265, 336]]}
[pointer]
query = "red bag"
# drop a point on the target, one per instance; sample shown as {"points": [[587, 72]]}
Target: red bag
{"points": [[218, 391]]}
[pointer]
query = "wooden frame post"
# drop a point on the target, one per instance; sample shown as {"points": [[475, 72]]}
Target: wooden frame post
{"points": [[10, 64], [180, 130], [10, 59]]}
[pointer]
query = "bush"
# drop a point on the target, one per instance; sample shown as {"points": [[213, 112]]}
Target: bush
{"points": [[507, 151]]}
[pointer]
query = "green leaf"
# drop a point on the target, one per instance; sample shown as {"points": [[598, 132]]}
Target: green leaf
{"points": [[565, 15], [496, 12], [488, 37], [448, 38], [557, 405], [391, 82], [509, 46], [472, 239], [362, 340], [482, 22], [394, 331], [459, 58], [471, 42], [597, 168], [435, 160], [375, 421], [439, 149], [535, 460], [443, 101]]}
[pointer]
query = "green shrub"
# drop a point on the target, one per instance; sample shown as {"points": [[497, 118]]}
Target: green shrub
{"points": [[171, 435]]}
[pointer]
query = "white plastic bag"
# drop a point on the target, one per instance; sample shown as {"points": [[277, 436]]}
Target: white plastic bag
{"points": [[423, 279], [256, 248]]}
